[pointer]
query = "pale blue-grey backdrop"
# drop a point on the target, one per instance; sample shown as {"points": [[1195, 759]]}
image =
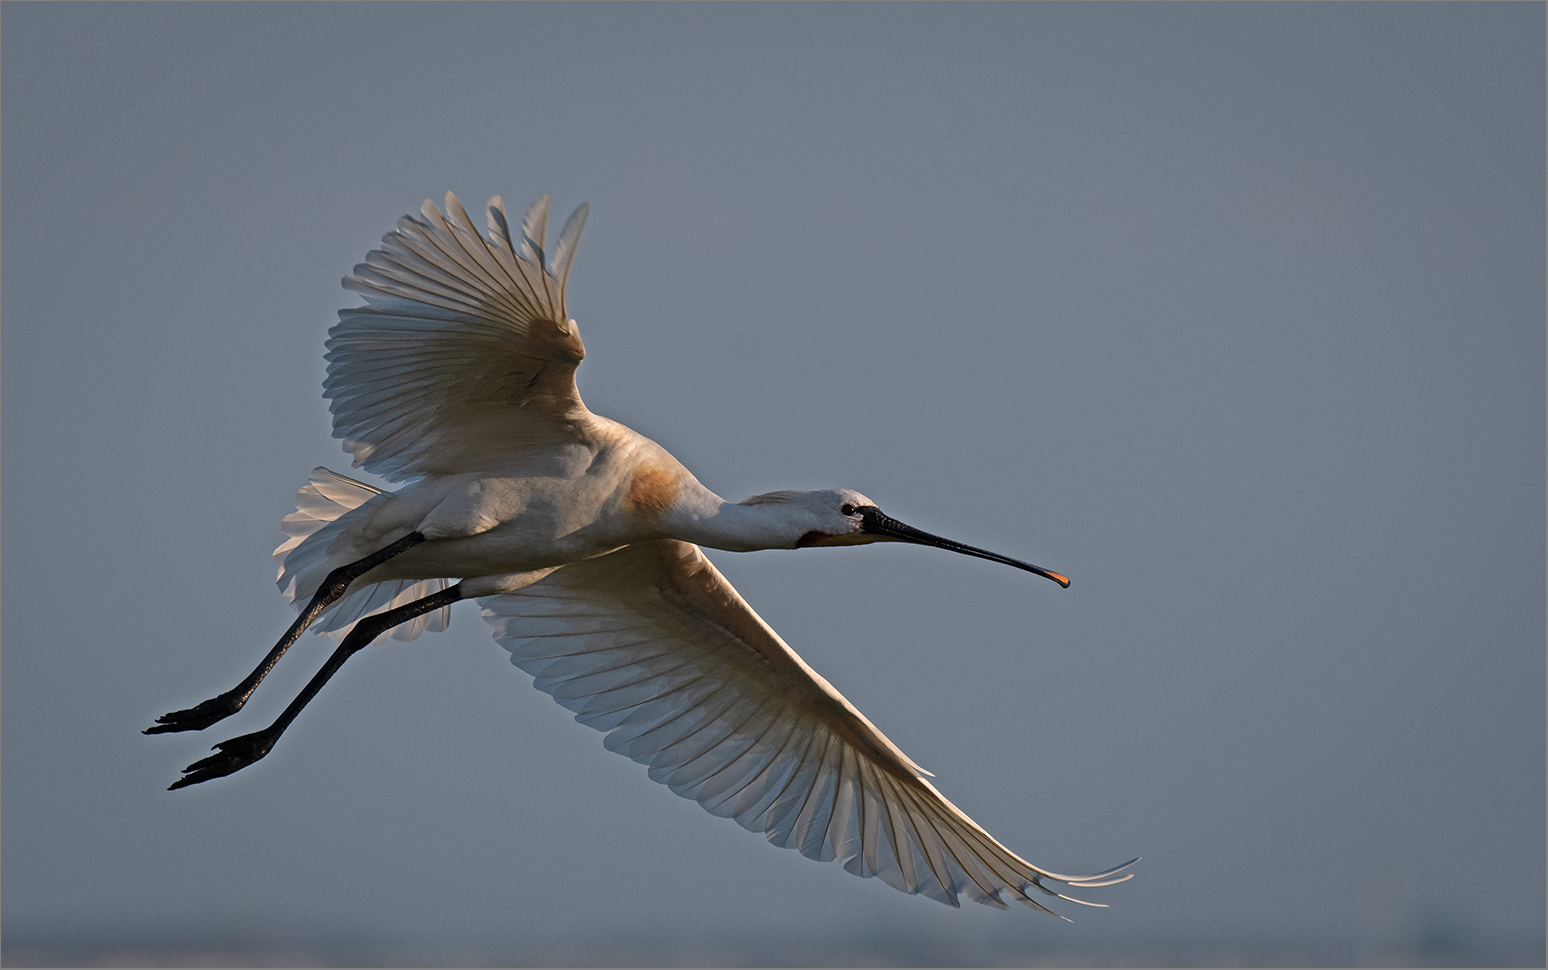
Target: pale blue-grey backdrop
{"points": [[1233, 313]]}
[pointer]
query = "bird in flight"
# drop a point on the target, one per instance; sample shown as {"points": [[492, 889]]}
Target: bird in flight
{"points": [[580, 539]]}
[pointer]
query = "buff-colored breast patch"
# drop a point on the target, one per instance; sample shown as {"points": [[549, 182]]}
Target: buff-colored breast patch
{"points": [[651, 492]]}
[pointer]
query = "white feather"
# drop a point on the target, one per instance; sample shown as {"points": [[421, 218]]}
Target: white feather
{"points": [[652, 645], [322, 508], [482, 328]]}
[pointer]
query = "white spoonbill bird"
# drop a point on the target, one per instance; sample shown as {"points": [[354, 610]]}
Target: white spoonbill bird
{"points": [[580, 540]]}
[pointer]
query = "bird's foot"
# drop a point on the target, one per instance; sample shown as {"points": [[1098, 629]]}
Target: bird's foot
{"points": [[200, 716], [234, 755]]}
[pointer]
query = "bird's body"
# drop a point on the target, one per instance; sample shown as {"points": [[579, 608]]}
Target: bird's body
{"points": [[579, 538], [609, 488]]}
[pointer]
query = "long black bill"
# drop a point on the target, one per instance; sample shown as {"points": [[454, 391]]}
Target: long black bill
{"points": [[877, 523]]}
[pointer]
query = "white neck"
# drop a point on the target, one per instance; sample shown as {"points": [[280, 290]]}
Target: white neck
{"points": [[709, 520]]}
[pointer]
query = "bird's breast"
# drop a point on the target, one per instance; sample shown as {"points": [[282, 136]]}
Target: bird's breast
{"points": [[652, 490]]}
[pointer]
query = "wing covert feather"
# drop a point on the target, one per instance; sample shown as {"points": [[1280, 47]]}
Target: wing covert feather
{"points": [[653, 646], [464, 346]]}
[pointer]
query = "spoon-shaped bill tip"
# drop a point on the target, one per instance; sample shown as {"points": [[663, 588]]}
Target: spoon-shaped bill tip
{"points": [[877, 523]]}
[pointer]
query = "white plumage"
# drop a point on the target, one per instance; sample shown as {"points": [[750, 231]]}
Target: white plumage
{"points": [[321, 508], [580, 539], [437, 373], [653, 646]]}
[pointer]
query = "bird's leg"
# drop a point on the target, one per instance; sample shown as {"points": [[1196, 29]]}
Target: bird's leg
{"points": [[219, 708], [240, 752]]}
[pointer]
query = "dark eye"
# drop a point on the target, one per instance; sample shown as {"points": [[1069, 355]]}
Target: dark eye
{"points": [[847, 509]]}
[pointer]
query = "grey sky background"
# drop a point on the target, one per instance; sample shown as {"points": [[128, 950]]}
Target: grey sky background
{"points": [[1234, 313]]}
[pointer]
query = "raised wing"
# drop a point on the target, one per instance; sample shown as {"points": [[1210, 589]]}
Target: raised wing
{"points": [[464, 353], [652, 645]]}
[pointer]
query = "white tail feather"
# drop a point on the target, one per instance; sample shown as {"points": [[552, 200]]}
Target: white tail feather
{"points": [[323, 508]]}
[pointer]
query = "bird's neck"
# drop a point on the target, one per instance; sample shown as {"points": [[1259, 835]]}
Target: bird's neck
{"points": [[709, 520]]}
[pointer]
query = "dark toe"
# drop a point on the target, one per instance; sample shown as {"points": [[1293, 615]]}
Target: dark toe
{"points": [[197, 718], [230, 756]]}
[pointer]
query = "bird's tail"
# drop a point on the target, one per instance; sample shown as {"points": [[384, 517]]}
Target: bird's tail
{"points": [[324, 509]]}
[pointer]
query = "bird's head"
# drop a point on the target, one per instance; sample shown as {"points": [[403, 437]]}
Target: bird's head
{"points": [[842, 517]]}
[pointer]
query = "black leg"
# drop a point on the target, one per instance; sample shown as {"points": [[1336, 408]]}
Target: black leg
{"points": [[199, 717], [240, 752]]}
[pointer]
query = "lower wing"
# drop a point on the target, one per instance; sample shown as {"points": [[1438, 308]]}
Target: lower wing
{"points": [[653, 646]]}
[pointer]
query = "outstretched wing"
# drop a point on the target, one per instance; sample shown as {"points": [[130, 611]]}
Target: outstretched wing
{"points": [[652, 645], [464, 353]]}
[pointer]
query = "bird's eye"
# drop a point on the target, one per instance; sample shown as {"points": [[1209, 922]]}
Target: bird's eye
{"points": [[847, 509]]}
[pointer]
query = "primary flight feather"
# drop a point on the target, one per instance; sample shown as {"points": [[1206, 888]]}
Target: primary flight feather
{"points": [[580, 541]]}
